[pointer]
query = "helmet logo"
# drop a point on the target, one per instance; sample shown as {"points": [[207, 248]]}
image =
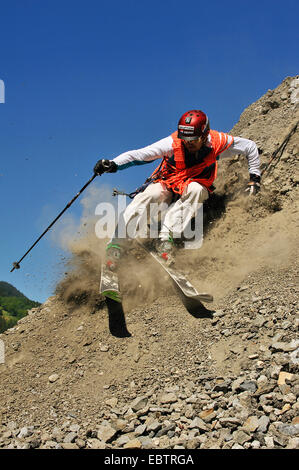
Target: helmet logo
{"points": [[186, 130], [188, 120]]}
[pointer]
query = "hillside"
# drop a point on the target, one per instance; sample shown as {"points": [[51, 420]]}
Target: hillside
{"points": [[8, 290], [82, 374], [13, 305]]}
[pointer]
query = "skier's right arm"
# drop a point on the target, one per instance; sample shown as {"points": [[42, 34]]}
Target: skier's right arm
{"points": [[144, 155], [141, 156]]}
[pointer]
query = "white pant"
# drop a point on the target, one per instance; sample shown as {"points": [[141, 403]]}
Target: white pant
{"points": [[177, 215]]}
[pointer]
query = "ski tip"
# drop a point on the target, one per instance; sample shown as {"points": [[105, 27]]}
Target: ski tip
{"points": [[203, 297]]}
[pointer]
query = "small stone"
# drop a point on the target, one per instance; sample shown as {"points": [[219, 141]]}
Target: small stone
{"points": [[283, 376], [12, 425], [274, 371], [260, 364], [122, 440], [222, 386], [237, 446], [253, 356], [241, 289], [80, 443], [120, 424], [230, 421], [226, 332], [269, 442], [140, 429], [290, 398], [219, 313], [106, 432], [192, 399], [95, 444], [264, 389], [70, 437], [53, 378], [154, 426], [87, 342], [139, 403], [289, 429], [25, 432], [199, 424], [293, 443], [169, 398], [74, 427], [251, 424], [241, 437], [112, 402], [49, 444], [262, 380], [259, 321], [146, 442], [294, 356], [104, 348], [285, 347], [285, 408], [206, 414], [255, 444], [263, 424], [133, 444], [247, 386]]}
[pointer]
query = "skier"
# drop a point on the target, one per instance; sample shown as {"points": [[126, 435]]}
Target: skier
{"points": [[183, 179]]}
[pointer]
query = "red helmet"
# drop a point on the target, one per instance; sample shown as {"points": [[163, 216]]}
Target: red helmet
{"points": [[193, 124]]}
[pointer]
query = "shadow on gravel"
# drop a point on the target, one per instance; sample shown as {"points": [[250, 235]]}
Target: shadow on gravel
{"points": [[198, 311], [117, 321], [194, 307]]}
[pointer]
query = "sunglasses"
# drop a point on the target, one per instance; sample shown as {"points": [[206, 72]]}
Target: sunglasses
{"points": [[193, 141]]}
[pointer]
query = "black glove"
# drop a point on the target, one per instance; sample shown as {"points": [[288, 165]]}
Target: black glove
{"points": [[253, 186], [105, 166]]}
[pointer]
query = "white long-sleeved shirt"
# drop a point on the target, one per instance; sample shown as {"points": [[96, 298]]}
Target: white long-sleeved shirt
{"points": [[163, 148]]}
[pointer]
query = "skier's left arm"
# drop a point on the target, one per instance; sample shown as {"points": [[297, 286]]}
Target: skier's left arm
{"points": [[242, 146]]}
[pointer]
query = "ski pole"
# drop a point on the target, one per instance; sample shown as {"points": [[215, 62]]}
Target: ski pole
{"points": [[280, 149], [16, 264]]}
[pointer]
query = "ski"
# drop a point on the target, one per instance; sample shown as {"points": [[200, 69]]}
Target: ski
{"points": [[109, 285], [183, 285]]}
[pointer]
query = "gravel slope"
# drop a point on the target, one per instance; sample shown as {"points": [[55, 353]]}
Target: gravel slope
{"points": [[80, 375]]}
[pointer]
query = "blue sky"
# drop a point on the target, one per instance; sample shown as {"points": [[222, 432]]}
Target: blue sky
{"points": [[89, 80]]}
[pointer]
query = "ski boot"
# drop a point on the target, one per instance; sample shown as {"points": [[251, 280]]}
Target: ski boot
{"points": [[165, 249], [113, 255]]}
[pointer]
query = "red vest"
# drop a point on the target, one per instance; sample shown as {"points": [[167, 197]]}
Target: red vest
{"points": [[203, 173]]}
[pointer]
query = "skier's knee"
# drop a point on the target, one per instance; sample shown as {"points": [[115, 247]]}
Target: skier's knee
{"points": [[196, 192], [158, 193]]}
